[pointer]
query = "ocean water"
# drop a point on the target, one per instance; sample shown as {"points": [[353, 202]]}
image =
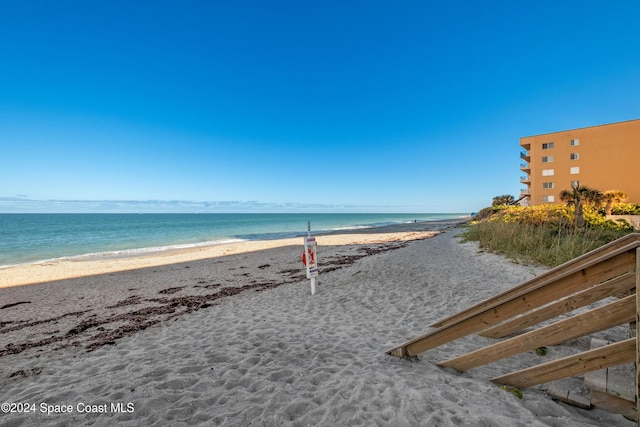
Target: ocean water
{"points": [[30, 238]]}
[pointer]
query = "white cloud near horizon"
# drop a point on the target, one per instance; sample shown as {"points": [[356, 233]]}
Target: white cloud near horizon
{"points": [[24, 204]]}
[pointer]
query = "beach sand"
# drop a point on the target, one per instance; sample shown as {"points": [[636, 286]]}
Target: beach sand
{"points": [[237, 339]]}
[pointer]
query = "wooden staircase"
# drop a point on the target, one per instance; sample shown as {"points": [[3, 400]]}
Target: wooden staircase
{"points": [[612, 270]]}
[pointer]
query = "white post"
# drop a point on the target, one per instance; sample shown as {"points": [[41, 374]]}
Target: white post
{"points": [[310, 257]]}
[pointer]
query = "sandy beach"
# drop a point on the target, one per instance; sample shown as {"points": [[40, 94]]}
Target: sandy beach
{"points": [[94, 265], [230, 335]]}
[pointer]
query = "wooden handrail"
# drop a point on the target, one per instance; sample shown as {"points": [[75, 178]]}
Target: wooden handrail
{"points": [[598, 319], [587, 361], [612, 287], [608, 267], [623, 244], [609, 271]]}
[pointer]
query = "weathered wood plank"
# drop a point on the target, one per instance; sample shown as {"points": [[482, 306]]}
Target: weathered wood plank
{"points": [[598, 319], [605, 270], [618, 381], [609, 288], [564, 393], [597, 380], [614, 404], [599, 358], [624, 244]]}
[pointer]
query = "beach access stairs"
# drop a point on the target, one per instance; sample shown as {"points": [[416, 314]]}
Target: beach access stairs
{"points": [[607, 278]]}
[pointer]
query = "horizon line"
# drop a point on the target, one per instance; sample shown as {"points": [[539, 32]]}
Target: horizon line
{"points": [[23, 204]]}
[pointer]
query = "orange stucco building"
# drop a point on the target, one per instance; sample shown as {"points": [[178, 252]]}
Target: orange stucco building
{"points": [[605, 157]]}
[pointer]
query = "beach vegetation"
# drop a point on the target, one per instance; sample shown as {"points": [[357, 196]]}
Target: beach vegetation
{"points": [[612, 197], [506, 199], [485, 213], [580, 197], [625, 209], [546, 234], [513, 390]]}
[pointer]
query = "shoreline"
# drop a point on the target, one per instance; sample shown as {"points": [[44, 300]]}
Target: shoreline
{"points": [[100, 236], [76, 267]]}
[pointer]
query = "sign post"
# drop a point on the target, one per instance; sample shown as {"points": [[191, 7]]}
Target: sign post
{"points": [[309, 258]]}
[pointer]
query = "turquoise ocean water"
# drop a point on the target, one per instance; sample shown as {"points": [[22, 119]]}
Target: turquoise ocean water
{"points": [[29, 238]]}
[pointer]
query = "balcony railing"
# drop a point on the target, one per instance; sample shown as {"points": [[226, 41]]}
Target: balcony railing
{"points": [[525, 155]]}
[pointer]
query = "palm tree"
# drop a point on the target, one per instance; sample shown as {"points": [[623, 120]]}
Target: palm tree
{"points": [[578, 197], [507, 199], [613, 196]]}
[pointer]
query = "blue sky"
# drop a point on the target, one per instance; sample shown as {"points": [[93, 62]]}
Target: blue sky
{"points": [[297, 105]]}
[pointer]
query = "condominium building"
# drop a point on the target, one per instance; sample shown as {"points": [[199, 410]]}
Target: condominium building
{"points": [[605, 157]]}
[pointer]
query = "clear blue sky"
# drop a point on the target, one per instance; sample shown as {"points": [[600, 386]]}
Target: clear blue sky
{"points": [[297, 105]]}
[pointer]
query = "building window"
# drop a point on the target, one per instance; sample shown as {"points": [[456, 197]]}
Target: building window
{"points": [[547, 159], [547, 185], [575, 184], [547, 145], [575, 142], [548, 172], [575, 156], [548, 199], [574, 170]]}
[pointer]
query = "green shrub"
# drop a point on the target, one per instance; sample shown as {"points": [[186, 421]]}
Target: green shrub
{"points": [[595, 219], [534, 215], [543, 234], [625, 209], [485, 213]]}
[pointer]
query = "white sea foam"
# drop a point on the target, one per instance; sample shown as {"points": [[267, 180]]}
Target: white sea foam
{"points": [[356, 227], [154, 249], [124, 253]]}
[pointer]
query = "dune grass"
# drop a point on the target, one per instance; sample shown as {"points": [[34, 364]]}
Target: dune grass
{"points": [[544, 243]]}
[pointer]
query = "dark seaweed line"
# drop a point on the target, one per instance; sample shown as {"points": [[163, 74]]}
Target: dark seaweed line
{"points": [[22, 325], [139, 319]]}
